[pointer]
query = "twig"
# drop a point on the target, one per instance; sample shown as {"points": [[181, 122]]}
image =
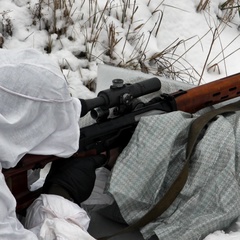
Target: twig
{"points": [[209, 52]]}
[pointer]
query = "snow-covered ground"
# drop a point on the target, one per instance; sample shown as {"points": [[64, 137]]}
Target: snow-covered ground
{"points": [[169, 38]]}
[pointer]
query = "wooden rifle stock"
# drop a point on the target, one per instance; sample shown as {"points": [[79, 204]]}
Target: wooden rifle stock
{"points": [[208, 94], [17, 177]]}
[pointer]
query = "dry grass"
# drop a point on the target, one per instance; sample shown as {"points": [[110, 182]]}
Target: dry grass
{"points": [[6, 27], [56, 17], [203, 4], [229, 9], [95, 23]]}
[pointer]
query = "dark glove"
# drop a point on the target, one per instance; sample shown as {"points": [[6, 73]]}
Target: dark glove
{"points": [[73, 178]]}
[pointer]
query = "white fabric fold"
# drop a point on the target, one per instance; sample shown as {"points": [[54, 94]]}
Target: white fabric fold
{"points": [[54, 217]]}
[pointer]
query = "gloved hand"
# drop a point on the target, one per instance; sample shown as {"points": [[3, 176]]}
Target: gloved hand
{"points": [[73, 178]]}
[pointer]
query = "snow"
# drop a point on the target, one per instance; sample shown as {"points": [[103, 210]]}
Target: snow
{"points": [[169, 38]]}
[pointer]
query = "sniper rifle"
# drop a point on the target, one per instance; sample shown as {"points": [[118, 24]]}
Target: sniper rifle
{"points": [[116, 127], [117, 112]]}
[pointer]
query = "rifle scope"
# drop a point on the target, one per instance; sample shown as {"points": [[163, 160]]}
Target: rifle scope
{"points": [[120, 93]]}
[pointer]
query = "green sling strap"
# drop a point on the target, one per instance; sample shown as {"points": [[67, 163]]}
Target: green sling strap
{"points": [[195, 129]]}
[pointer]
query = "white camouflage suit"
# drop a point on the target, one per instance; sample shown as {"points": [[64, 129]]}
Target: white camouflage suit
{"points": [[37, 116]]}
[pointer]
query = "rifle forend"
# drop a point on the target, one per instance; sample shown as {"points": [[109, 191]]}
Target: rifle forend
{"points": [[208, 94]]}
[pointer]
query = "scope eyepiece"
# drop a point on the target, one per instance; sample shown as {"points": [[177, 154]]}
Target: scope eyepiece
{"points": [[99, 113]]}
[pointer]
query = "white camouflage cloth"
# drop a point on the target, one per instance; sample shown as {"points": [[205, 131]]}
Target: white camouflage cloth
{"points": [[153, 159]]}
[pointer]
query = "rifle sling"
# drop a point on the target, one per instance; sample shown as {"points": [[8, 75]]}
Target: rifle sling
{"points": [[195, 129]]}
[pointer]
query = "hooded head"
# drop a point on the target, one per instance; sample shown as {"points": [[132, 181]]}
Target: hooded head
{"points": [[37, 113]]}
